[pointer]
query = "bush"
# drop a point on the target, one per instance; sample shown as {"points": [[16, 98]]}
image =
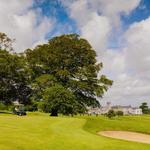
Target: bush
{"points": [[43, 107], [3, 106], [111, 113], [119, 113], [32, 107], [10, 107], [149, 111]]}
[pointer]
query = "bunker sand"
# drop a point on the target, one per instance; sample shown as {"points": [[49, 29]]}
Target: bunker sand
{"points": [[126, 135]]}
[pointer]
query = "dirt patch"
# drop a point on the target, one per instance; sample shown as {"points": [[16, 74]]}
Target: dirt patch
{"points": [[126, 135]]}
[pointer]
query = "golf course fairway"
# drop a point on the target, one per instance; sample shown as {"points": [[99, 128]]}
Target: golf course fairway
{"points": [[39, 131]]}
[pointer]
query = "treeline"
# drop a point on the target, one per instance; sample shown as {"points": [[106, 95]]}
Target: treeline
{"points": [[61, 76]]}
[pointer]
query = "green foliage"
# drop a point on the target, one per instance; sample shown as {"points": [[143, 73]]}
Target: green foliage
{"points": [[111, 113], [66, 63], [43, 107], [119, 113], [32, 107], [144, 108], [15, 74], [40, 84], [3, 106], [15, 78], [5, 42], [59, 100], [71, 62]]}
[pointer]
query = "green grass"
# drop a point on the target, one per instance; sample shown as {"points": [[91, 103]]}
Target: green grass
{"points": [[38, 131], [127, 123]]}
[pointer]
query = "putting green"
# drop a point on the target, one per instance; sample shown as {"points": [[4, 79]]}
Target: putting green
{"points": [[38, 131]]}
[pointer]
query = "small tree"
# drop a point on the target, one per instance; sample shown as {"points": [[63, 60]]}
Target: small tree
{"points": [[111, 113], [149, 111], [119, 113], [144, 108]]}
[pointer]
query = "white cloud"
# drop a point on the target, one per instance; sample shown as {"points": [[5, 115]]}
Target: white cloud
{"points": [[138, 50], [128, 67], [79, 11], [96, 18], [114, 63], [113, 9], [93, 27], [132, 82], [128, 90], [97, 31], [22, 23]]}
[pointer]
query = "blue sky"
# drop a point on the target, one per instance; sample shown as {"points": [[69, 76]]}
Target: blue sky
{"points": [[140, 13], [55, 9]]}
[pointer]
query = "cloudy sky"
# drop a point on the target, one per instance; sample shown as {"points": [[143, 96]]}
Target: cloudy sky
{"points": [[119, 31]]}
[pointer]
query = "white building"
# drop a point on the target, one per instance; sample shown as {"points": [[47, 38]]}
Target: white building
{"points": [[127, 110], [137, 111], [101, 110], [94, 111]]}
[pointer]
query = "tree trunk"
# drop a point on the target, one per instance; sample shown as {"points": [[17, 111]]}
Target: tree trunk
{"points": [[54, 112]]}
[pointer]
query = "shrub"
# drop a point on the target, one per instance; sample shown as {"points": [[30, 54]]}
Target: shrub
{"points": [[32, 107], [119, 113], [3, 106], [111, 113], [43, 107]]}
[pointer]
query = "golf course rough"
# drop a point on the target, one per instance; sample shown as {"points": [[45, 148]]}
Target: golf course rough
{"points": [[38, 131]]}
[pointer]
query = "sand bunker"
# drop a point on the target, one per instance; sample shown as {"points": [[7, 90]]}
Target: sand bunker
{"points": [[125, 135]]}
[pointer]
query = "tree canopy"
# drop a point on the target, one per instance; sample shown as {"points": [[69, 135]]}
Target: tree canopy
{"points": [[63, 74], [14, 74], [72, 61], [144, 107]]}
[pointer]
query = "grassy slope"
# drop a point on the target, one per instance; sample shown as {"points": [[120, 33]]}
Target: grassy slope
{"points": [[127, 123], [40, 132]]}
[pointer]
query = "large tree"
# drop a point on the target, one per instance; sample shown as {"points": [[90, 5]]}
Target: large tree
{"points": [[72, 61], [14, 74]]}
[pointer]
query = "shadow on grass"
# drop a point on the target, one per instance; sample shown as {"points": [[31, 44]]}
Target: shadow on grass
{"points": [[5, 112]]}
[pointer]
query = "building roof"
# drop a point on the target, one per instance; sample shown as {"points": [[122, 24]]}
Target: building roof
{"points": [[119, 106]]}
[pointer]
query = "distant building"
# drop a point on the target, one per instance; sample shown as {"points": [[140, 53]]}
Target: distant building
{"points": [[127, 110], [137, 111], [106, 108], [94, 111], [101, 110]]}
